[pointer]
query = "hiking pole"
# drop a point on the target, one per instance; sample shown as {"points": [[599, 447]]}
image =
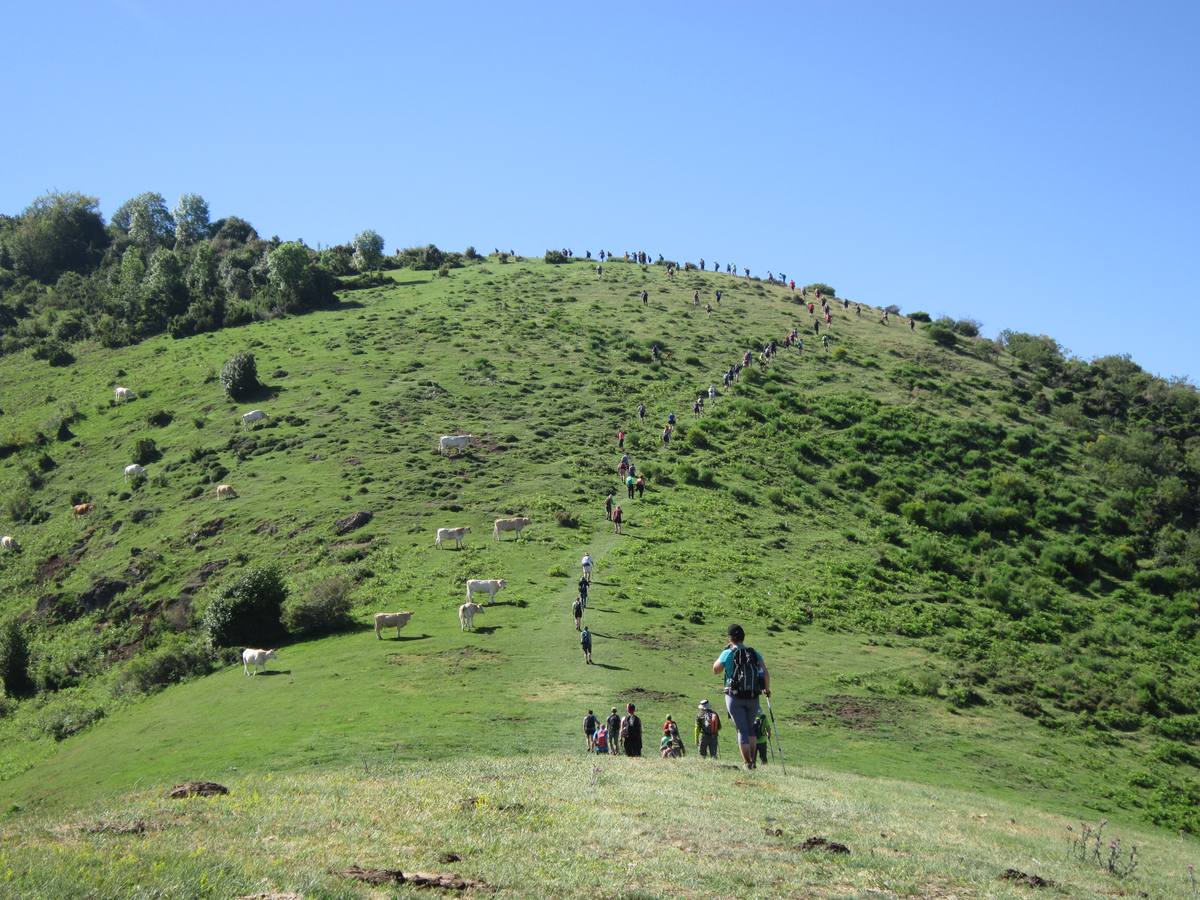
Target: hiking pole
{"points": [[775, 731]]}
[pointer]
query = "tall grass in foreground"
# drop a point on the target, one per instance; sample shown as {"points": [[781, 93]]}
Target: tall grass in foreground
{"points": [[581, 826]]}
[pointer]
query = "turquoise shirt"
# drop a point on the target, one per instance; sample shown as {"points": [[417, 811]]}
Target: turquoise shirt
{"points": [[726, 659]]}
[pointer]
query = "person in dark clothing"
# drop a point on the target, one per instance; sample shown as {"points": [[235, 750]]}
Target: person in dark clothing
{"points": [[614, 731], [608, 505], [640, 484], [584, 585], [577, 611], [631, 732], [590, 724], [645, 298], [585, 642], [642, 411]]}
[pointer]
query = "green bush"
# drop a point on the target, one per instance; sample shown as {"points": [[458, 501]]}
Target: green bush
{"points": [[248, 612], [566, 518], [941, 334], [14, 660], [239, 375], [323, 609], [920, 317], [60, 722], [176, 659], [557, 257], [145, 451]]}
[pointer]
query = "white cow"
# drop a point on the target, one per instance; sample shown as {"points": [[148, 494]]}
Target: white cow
{"points": [[133, 470], [454, 534], [454, 441], [225, 490], [514, 524], [390, 620], [253, 416], [8, 542], [256, 658], [488, 586], [466, 615], [124, 393]]}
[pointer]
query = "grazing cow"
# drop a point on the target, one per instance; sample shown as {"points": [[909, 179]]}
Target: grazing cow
{"points": [[253, 416], [454, 534], [454, 441], [514, 524], [133, 470], [8, 542], [124, 393], [225, 490], [82, 509], [488, 586], [466, 615], [256, 658], [390, 620]]}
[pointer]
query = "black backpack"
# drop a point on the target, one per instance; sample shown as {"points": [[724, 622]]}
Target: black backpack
{"points": [[746, 682]]}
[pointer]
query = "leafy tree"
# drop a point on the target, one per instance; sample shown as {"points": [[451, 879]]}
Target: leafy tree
{"points": [[146, 219], [14, 660], [248, 612], [163, 291], [287, 266], [368, 250], [201, 278], [57, 233], [239, 375], [191, 220]]}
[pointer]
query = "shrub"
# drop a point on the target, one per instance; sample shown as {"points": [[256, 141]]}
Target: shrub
{"points": [[968, 327], [248, 612], [174, 660], [444, 270], [145, 451], [14, 660], [63, 721], [20, 508], [566, 518], [239, 375], [920, 317], [820, 287], [323, 609], [941, 334], [159, 419], [557, 257]]}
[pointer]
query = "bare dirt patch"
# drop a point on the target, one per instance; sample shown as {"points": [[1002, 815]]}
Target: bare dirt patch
{"points": [[1016, 876], [856, 713], [647, 640], [197, 789], [823, 844], [441, 880], [644, 695]]}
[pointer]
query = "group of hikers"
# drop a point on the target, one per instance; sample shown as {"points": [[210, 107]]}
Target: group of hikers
{"points": [[746, 678]]}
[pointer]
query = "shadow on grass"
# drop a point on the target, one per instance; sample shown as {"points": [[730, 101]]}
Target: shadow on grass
{"points": [[610, 667], [487, 629], [273, 672], [408, 637]]}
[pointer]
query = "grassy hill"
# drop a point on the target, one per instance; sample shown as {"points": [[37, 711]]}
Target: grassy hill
{"points": [[933, 542]]}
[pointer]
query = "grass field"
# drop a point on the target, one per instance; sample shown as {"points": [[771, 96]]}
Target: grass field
{"points": [[543, 364]]}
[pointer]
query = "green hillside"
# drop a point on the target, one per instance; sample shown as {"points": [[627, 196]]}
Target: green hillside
{"points": [[970, 565]]}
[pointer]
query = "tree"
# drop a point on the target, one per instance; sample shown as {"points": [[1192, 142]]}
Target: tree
{"points": [[57, 233], [146, 219], [201, 278], [239, 375], [14, 660], [248, 612], [191, 220], [163, 292], [287, 266], [368, 250]]}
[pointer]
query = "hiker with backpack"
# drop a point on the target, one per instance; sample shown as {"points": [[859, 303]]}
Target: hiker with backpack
{"points": [[585, 642], [631, 732], [584, 586], [590, 724], [600, 744], [708, 726], [642, 412], [746, 677], [577, 611], [762, 736], [608, 504], [616, 518], [586, 565], [613, 725]]}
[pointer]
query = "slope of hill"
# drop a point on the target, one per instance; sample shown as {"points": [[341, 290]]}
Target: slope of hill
{"points": [[967, 566]]}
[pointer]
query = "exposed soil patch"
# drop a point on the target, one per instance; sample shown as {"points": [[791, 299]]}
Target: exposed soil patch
{"points": [[441, 880], [646, 640], [137, 826], [642, 695], [1018, 877], [269, 895], [197, 579], [49, 569], [211, 528], [197, 789], [352, 521], [101, 593], [823, 844], [857, 713], [265, 527]]}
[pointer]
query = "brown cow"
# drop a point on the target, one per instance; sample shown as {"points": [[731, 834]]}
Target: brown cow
{"points": [[82, 509]]}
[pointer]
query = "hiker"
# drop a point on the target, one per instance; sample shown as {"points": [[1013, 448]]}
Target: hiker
{"points": [[762, 735], [712, 393], [816, 326], [631, 732], [825, 341], [613, 725], [577, 611], [633, 470], [599, 271], [584, 586], [620, 438], [585, 642], [617, 520], [590, 724], [600, 742], [708, 726], [912, 324], [608, 505], [645, 297], [697, 407], [670, 747], [642, 411], [666, 435], [671, 419], [670, 727], [702, 264], [695, 298], [718, 298], [792, 285], [629, 483], [640, 484], [586, 565], [708, 308], [746, 677], [858, 310]]}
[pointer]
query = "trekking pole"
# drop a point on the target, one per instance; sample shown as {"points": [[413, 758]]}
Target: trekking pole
{"points": [[775, 731]]}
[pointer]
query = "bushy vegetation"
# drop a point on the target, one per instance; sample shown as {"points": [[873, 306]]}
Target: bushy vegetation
{"points": [[177, 658], [239, 375], [14, 660], [248, 613], [322, 609]]}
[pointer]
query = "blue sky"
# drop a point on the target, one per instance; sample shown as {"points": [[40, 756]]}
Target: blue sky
{"points": [[1031, 165]]}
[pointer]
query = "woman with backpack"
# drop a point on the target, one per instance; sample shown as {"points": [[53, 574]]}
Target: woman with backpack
{"points": [[631, 732], [708, 726], [746, 677]]}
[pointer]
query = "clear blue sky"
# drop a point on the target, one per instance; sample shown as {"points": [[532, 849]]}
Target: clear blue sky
{"points": [[1032, 165]]}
